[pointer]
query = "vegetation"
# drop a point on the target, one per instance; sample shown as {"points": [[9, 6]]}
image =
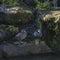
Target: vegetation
{"points": [[53, 27], [12, 29], [46, 5], [51, 23], [9, 3], [36, 3]]}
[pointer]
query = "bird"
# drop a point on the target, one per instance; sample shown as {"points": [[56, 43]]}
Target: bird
{"points": [[21, 35], [37, 33]]}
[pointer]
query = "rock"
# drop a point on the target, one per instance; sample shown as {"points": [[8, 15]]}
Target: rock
{"points": [[4, 35], [33, 49], [16, 15], [12, 10], [20, 17], [44, 48], [12, 29], [2, 9], [13, 50], [9, 10], [37, 49], [3, 27], [1, 53], [2, 17]]}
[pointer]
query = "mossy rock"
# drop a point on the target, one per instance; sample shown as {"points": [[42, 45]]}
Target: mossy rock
{"points": [[2, 27], [12, 29], [21, 17]]}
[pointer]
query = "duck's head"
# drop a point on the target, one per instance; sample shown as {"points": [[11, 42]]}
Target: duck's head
{"points": [[23, 31], [38, 33]]}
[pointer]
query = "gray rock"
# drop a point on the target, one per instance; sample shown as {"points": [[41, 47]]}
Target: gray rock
{"points": [[44, 48], [2, 9], [36, 49], [1, 53], [2, 35], [9, 10], [13, 50]]}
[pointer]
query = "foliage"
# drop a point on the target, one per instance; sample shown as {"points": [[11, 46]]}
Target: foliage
{"points": [[2, 27], [25, 16], [38, 22], [9, 3], [41, 6], [37, 41], [46, 5], [53, 24], [12, 29]]}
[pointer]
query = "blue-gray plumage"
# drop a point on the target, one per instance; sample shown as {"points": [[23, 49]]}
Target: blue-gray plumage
{"points": [[37, 33], [21, 35]]}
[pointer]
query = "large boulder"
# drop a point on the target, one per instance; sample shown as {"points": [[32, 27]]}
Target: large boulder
{"points": [[8, 30], [12, 29], [18, 16], [5, 35], [2, 17], [37, 49], [24, 49], [12, 50]]}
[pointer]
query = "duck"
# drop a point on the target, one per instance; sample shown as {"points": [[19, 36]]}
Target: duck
{"points": [[37, 33], [21, 35]]}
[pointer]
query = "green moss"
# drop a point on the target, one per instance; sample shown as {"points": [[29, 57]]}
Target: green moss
{"points": [[37, 41], [2, 27], [12, 29], [22, 16]]}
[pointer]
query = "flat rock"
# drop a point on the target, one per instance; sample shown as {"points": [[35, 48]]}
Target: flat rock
{"points": [[11, 50]]}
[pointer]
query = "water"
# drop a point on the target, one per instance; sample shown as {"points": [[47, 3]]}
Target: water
{"points": [[36, 57]]}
